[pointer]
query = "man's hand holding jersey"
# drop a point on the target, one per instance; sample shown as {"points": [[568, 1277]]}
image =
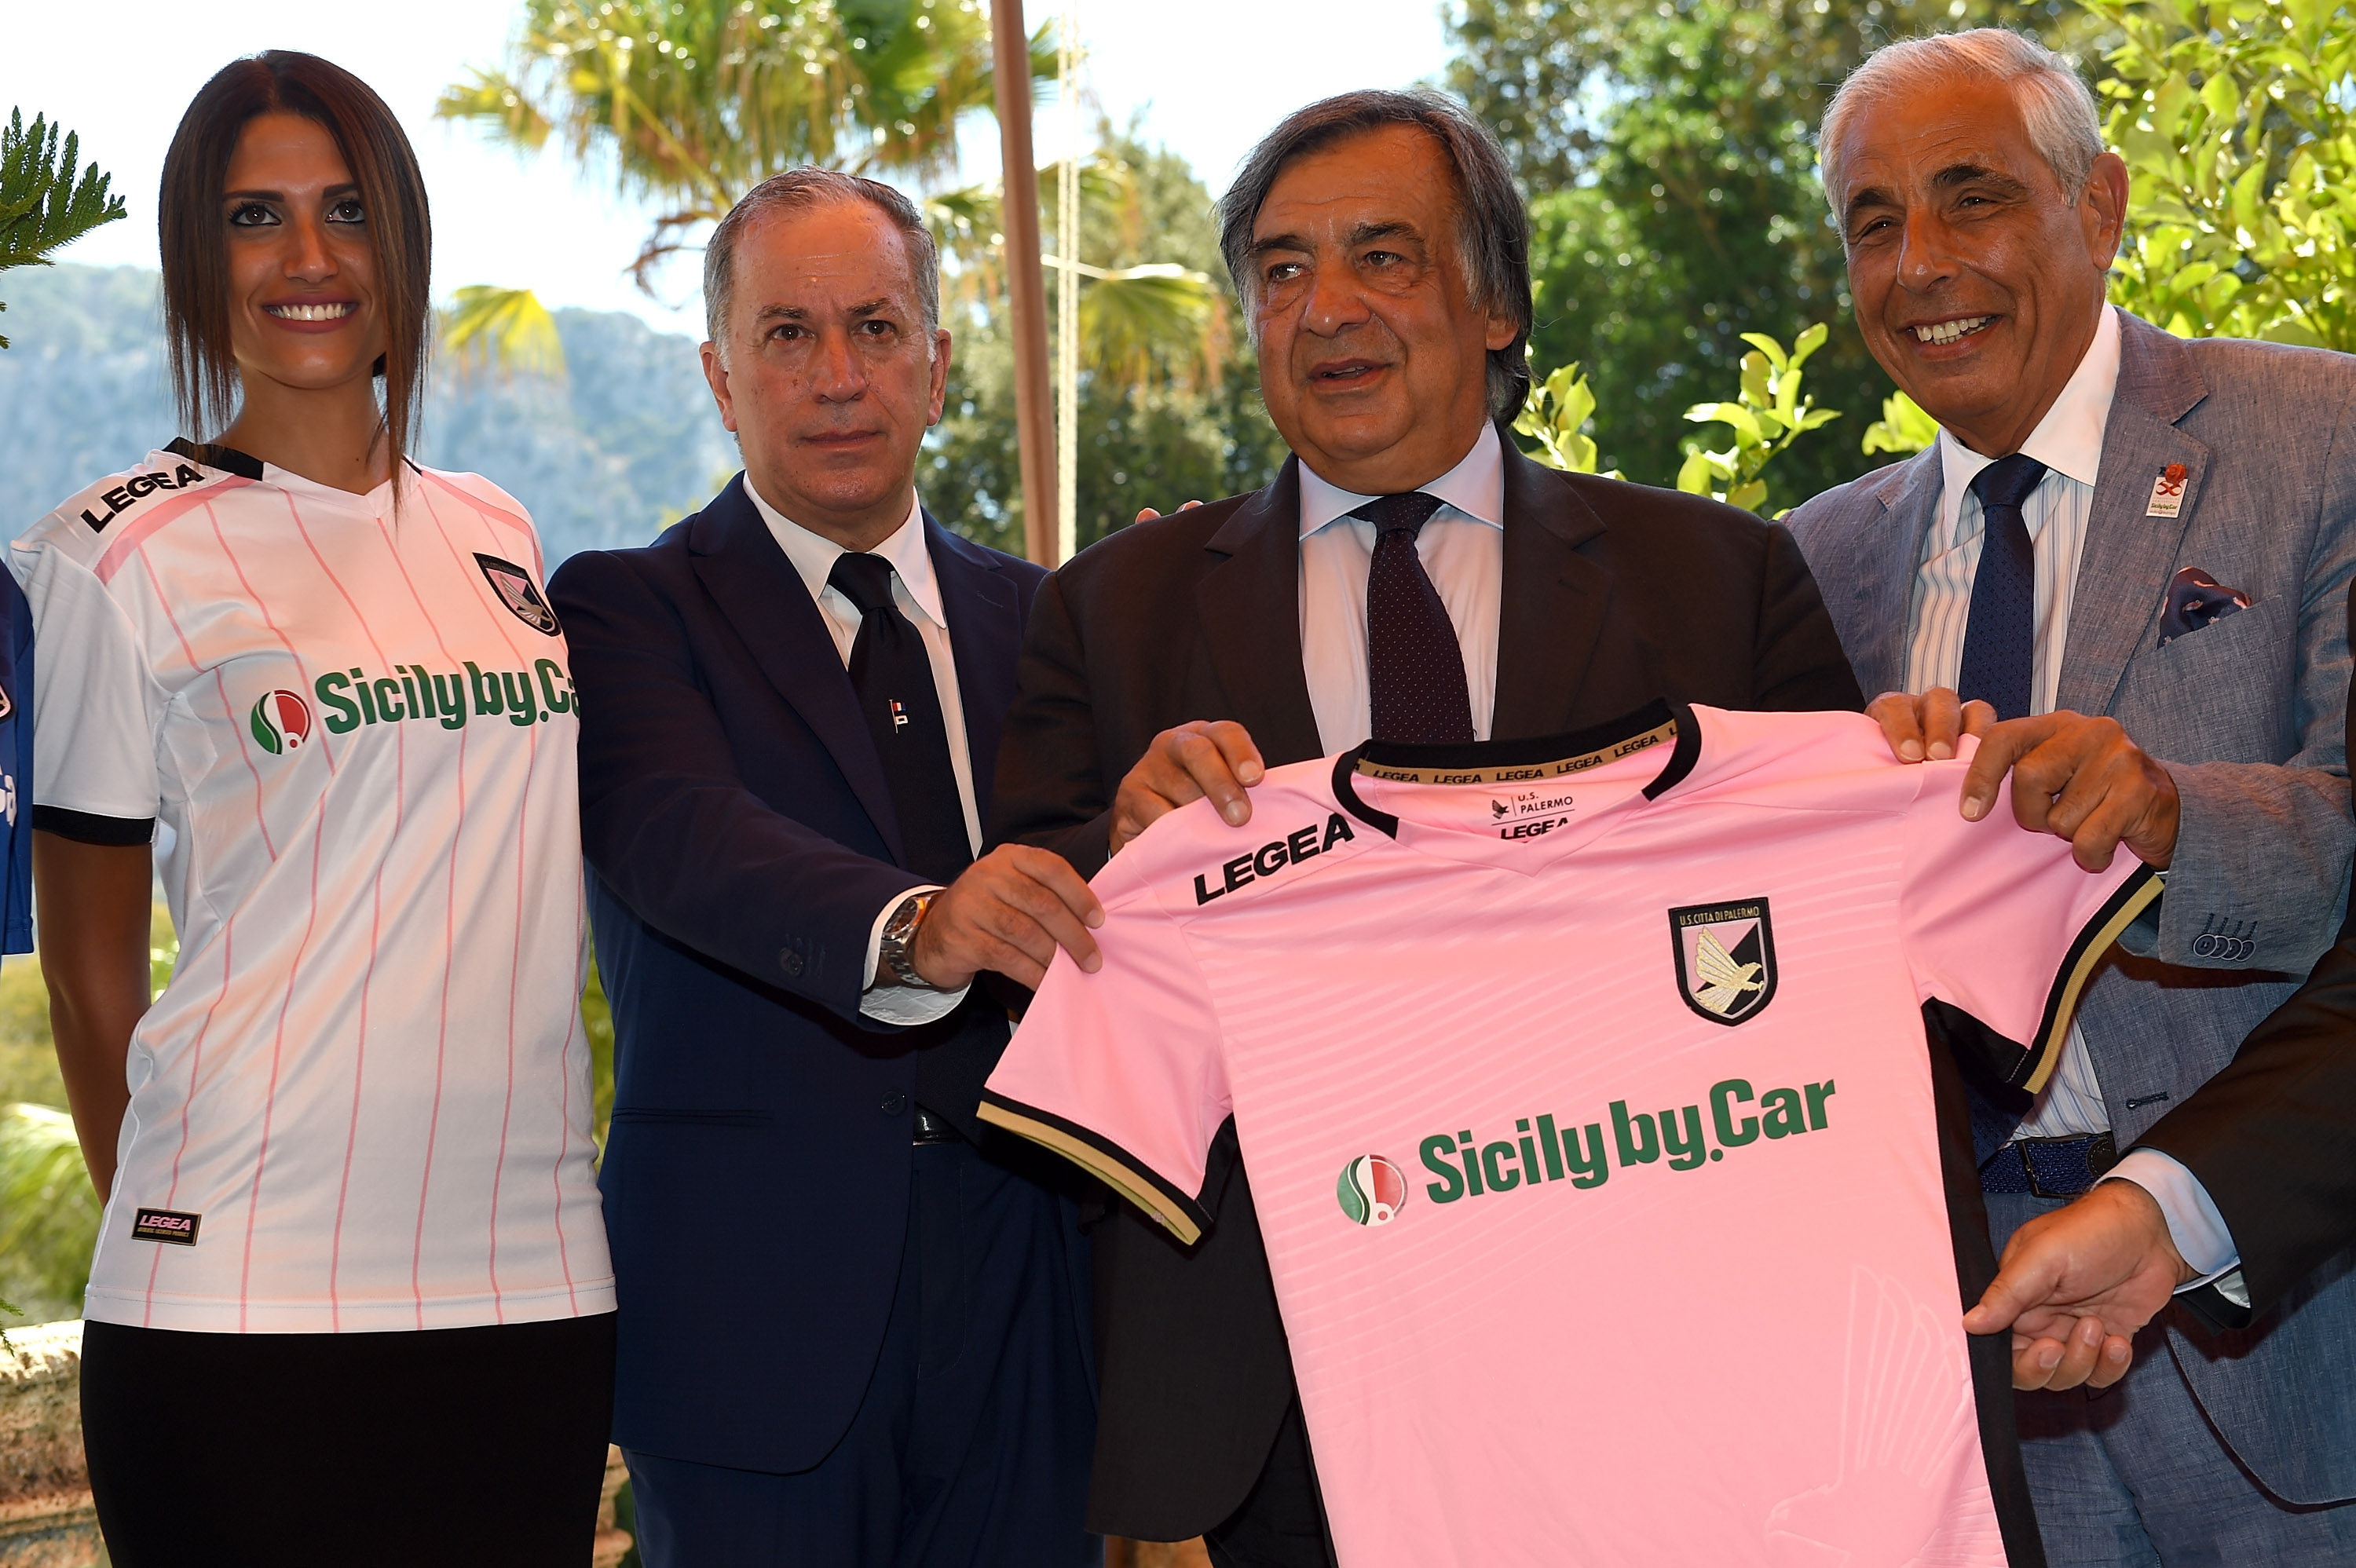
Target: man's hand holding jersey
{"points": [[2077, 1283], [2077, 777], [1008, 911], [1205, 757]]}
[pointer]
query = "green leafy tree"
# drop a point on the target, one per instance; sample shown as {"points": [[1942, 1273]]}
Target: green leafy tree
{"points": [[1768, 415], [2238, 123], [43, 206], [1558, 415], [1902, 428], [1169, 413], [1667, 150], [1140, 321]]}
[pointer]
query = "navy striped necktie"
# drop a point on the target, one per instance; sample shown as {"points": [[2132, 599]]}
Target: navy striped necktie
{"points": [[1415, 670], [2000, 638]]}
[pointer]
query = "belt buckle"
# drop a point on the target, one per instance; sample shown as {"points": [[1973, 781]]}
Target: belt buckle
{"points": [[2096, 1153], [931, 1127]]}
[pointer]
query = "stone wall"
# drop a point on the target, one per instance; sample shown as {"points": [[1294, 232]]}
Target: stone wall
{"points": [[46, 1520]]}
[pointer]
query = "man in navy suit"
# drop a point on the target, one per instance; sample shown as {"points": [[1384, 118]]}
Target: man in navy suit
{"points": [[853, 1320]]}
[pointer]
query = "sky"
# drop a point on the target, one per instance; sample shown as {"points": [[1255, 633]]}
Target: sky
{"points": [[533, 221]]}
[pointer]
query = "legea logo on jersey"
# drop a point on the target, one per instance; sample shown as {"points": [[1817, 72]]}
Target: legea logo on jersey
{"points": [[280, 721], [1726, 959], [1372, 1191]]}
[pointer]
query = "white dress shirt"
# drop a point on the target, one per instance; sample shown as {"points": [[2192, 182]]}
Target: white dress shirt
{"points": [[1462, 549], [2069, 441], [917, 594]]}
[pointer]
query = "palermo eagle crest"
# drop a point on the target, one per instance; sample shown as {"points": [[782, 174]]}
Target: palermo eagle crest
{"points": [[1725, 959]]}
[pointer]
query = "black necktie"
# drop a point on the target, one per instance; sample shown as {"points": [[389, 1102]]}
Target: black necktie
{"points": [[1415, 671], [894, 678], [2000, 640]]}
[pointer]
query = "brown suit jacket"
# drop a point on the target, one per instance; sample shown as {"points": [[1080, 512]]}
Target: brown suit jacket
{"points": [[1614, 594]]}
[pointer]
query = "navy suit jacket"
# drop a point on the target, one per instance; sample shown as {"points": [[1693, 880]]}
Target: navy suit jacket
{"points": [[741, 841]]}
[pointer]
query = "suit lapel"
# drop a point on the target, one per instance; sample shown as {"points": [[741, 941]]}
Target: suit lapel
{"points": [[2124, 571], [985, 616], [1552, 605], [765, 599], [1889, 541], [1249, 606]]}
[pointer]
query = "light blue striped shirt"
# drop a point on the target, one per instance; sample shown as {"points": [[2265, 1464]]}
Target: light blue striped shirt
{"points": [[2069, 441]]}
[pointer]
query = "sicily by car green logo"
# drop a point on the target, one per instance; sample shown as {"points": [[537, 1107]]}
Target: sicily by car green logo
{"points": [[349, 699], [1372, 1191], [280, 721], [1533, 1157]]}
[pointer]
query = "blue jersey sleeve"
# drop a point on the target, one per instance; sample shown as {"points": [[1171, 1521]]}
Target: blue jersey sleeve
{"points": [[15, 767]]}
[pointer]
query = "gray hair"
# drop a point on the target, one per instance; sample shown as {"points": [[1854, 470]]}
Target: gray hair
{"points": [[799, 190], [2058, 112], [1493, 231]]}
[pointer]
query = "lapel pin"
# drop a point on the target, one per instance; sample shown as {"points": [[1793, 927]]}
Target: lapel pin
{"points": [[2167, 493]]}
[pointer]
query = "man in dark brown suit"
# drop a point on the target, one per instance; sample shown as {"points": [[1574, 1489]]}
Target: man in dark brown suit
{"points": [[1408, 575]]}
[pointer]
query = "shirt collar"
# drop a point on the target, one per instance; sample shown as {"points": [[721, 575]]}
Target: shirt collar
{"points": [[814, 555], [1476, 487], [2069, 438]]}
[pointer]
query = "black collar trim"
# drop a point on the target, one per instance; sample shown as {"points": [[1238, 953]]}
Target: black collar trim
{"points": [[228, 459], [1528, 760]]}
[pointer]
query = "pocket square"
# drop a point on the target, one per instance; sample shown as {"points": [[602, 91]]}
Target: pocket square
{"points": [[2195, 600]]}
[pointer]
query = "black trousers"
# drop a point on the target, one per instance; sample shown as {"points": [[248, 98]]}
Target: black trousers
{"points": [[970, 1449], [460, 1446]]}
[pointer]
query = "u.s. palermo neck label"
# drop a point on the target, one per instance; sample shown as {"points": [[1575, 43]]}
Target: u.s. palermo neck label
{"points": [[165, 1225], [1522, 773]]}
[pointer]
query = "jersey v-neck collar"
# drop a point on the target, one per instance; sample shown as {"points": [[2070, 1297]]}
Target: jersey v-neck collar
{"points": [[228, 459], [1609, 755], [245, 465]]}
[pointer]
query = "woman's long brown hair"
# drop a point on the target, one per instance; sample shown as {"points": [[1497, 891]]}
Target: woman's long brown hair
{"points": [[194, 230]]}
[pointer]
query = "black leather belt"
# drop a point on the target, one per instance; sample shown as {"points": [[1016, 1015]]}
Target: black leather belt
{"points": [[2050, 1168], [932, 1128]]}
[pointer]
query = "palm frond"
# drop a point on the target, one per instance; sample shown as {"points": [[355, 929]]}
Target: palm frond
{"points": [[42, 206], [498, 104], [508, 330], [1138, 323], [696, 104], [48, 1214]]}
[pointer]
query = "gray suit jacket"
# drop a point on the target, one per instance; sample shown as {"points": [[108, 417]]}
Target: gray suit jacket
{"points": [[2247, 713]]}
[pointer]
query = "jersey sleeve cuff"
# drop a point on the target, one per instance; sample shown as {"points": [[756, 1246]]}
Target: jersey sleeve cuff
{"points": [[1101, 1158], [2120, 910], [88, 827]]}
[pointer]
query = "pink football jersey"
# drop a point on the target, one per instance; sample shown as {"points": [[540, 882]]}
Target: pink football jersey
{"points": [[1583, 1088]]}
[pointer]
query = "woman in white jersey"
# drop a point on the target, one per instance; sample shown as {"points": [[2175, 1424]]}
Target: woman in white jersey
{"points": [[351, 1300]]}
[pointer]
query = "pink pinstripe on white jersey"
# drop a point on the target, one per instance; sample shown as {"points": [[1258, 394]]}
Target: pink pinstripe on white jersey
{"points": [[367, 1078], [1583, 1089]]}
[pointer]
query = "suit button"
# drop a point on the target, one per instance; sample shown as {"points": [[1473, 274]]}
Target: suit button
{"points": [[893, 1104], [789, 961]]}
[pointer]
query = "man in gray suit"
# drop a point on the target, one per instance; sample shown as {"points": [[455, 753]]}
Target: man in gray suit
{"points": [[2135, 551]]}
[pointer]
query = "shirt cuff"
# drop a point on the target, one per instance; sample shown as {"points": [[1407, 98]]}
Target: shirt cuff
{"points": [[902, 1005], [2193, 1222]]}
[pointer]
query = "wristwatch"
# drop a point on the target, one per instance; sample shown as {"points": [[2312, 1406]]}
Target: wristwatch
{"points": [[894, 955]]}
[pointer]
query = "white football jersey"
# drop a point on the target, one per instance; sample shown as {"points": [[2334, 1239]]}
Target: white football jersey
{"points": [[363, 1102]]}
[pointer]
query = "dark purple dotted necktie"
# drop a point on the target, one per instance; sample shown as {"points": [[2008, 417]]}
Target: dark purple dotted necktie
{"points": [[1415, 671], [2000, 640]]}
